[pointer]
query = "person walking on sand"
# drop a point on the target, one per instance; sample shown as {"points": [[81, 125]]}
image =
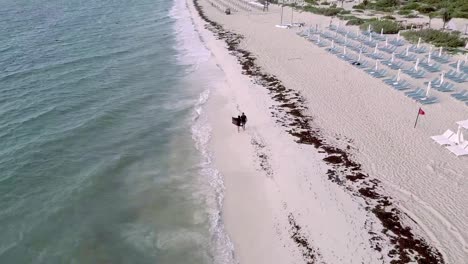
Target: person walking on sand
{"points": [[239, 123], [243, 119]]}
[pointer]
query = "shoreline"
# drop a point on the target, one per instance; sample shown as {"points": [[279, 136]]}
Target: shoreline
{"points": [[290, 112]]}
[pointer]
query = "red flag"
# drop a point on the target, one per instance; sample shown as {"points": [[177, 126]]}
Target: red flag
{"points": [[421, 112]]}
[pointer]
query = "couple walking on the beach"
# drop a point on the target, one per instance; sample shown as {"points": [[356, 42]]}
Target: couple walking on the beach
{"points": [[240, 121]]}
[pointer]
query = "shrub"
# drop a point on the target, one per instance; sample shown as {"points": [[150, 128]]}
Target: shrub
{"points": [[323, 11], [386, 3], [388, 26], [355, 22], [437, 37], [312, 2], [426, 9], [359, 11], [345, 12], [359, 6], [331, 11], [410, 6], [460, 14], [404, 12], [325, 3], [389, 17], [412, 16]]}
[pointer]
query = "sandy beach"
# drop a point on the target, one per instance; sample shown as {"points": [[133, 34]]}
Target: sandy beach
{"points": [[329, 168]]}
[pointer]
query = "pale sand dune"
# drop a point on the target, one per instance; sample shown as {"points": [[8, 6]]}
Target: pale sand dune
{"points": [[427, 181]]}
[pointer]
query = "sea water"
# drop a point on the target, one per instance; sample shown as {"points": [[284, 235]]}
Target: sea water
{"points": [[103, 141]]}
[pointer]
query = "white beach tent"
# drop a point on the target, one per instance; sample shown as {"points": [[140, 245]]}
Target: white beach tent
{"points": [[461, 146]]}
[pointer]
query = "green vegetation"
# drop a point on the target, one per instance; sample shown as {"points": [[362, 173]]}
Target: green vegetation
{"points": [[437, 37], [458, 8], [404, 12], [355, 22], [389, 17], [332, 11], [388, 26]]}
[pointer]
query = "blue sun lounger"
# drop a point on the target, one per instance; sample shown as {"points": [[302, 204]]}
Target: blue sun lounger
{"points": [[389, 49], [418, 50], [427, 100], [396, 42], [460, 94]]}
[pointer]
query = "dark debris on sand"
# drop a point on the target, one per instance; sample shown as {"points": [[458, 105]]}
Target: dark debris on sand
{"points": [[290, 113]]}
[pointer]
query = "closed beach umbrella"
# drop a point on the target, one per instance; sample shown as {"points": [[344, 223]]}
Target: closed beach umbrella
{"points": [[459, 134], [417, 64], [398, 36], [375, 49], [369, 29], [344, 50], [370, 37], [407, 51], [346, 38], [440, 52], [376, 65], [419, 43], [442, 75], [398, 75], [386, 41], [333, 44], [458, 66], [429, 58], [393, 57], [381, 32], [428, 88], [359, 56], [318, 38]]}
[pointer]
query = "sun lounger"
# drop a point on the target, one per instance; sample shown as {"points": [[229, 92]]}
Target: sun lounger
{"points": [[460, 94], [418, 50], [415, 74], [427, 100], [441, 59], [445, 87], [389, 49], [414, 92], [379, 73], [402, 86], [459, 149], [447, 138], [396, 42], [376, 56], [395, 66], [397, 85]]}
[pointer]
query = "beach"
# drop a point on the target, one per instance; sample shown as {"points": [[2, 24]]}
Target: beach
{"points": [[330, 168]]}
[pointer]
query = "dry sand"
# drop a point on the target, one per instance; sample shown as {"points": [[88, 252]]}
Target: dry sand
{"points": [[280, 204]]}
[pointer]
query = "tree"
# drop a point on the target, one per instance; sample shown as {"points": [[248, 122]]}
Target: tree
{"points": [[446, 16]]}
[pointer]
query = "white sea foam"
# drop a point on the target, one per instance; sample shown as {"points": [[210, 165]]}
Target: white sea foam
{"points": [[193, 53]]}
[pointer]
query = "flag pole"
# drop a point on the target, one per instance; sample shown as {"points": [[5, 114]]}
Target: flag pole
{"points": [[419, 111]]}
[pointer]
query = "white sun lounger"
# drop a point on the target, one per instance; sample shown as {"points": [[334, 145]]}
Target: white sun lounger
{"points": [[460, 149], [447, 138]]}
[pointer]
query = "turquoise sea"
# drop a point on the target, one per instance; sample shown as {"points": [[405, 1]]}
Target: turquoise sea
{"points": [[103, 154]]}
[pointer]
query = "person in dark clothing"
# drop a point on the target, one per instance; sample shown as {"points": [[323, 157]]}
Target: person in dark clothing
{"points": [[239, 122], [243, 119]]}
